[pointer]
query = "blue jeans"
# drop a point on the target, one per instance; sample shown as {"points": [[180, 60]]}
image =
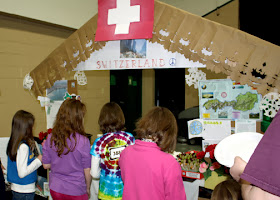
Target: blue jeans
{"points": [[23, 196]]}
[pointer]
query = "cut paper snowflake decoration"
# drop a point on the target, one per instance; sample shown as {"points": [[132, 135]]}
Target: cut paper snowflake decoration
{"points": [[270, 104], [194, 76], [28, 82], [80, 77]]}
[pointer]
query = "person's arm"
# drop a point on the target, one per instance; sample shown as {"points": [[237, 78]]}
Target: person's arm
{"points": [[238, 168], [21, 161], [95, 167], [47, 166], [88, 179], [46, 158]]}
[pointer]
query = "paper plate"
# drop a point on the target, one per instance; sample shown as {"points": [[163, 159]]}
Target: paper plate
{"points": [[238, 144]]}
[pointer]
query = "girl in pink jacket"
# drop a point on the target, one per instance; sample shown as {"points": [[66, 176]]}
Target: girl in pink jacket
{"points": [[148, 171]]}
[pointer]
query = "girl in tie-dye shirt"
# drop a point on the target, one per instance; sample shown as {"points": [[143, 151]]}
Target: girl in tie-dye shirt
{"points": [[106, 152]]}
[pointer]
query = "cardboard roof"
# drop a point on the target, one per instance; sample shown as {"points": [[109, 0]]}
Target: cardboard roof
{"points": [[245, 58]]}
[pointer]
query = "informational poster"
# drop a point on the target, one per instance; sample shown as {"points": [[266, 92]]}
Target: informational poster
{"points": [[136, 54], [57, 91], [209, 129], [224, 99], [51, 111]]}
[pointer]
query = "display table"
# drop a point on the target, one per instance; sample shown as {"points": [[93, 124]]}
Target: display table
{"points": [[192, 188]]}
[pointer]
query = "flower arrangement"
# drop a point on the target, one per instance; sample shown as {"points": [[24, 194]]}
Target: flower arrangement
{"points": [[44, 135], [196, 161]]}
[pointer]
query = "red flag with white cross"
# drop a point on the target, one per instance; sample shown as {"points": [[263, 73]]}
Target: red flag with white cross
{"points": [[124, 19]]}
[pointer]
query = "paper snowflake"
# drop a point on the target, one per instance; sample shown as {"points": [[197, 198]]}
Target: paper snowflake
{"points": [[270, 104], [80, 77], [194, 76], [28, 82]]}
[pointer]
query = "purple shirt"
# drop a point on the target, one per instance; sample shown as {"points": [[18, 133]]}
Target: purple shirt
{"points": [[149, 173], [67, 172], [262, 169]]}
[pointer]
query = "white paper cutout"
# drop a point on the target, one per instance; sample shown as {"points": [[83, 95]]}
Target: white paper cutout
{"points": [[28, 82], [164, 33], [89, 43], [270, 103], [44, 101], [64, 63], [123, 15], [81, 78], [205, 52], [194, 76], [76, 54], [184, 42]]}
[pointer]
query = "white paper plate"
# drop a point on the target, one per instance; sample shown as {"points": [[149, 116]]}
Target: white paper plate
{"points": [[238, 144]]}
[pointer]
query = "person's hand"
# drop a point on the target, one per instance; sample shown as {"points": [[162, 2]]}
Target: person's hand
{"points": [[40, 157], [88, 192], [238, 168], [43, 142]]}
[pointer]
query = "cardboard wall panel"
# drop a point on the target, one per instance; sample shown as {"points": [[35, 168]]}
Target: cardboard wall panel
{"points": [[23, 46]]}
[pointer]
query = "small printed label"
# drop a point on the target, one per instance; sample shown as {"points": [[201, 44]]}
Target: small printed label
{"points": [[192, 175], [115, 152], [206, 115]]}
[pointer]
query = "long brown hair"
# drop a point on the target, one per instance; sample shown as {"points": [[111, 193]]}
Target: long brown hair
{"points": [[69, 120], [111, 118], [22, 131], [160, 125], [227, 190]]}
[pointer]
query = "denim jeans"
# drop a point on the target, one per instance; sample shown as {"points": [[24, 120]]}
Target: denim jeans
{"points": [[23, 196]]}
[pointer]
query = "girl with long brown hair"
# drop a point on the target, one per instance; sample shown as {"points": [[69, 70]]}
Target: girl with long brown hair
{"points": [[22, 164], [66, 153], [106, 151]]}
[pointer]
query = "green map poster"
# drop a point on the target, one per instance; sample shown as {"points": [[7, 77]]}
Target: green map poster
{"points": [[224, 99]]}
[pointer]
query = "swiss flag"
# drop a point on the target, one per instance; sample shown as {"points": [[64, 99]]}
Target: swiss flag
{"points": [[124, 19]]}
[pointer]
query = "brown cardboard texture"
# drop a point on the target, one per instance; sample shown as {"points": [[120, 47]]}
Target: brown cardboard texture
{"points": [[245, 58]]}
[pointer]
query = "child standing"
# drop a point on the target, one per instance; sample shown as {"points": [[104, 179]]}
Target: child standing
{"points": [[227, 190], [66, 153], [148, 172], [22, 164], [106, 151]]}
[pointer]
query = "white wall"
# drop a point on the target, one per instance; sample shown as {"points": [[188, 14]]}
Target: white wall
{"points": [[75, 13]]}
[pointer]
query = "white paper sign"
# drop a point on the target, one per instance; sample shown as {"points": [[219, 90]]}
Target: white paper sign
{"points": [[135, 54], [3, 146], [209, 129], [245, 126], [51, 111], [216, 129]]}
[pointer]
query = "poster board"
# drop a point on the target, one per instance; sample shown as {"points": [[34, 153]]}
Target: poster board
{"points": [[225, 99]]}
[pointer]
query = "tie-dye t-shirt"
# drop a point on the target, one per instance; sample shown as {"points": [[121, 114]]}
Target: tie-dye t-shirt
{"points": [[108, 148]]}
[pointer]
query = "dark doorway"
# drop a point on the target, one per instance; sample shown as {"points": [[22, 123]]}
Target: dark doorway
{"points": [[170, 89], [126, 90]]}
